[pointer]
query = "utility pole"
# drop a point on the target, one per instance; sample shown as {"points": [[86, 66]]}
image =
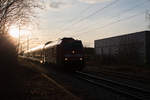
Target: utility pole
{"points": [[28, 42], [147, 17], [19, 40]]}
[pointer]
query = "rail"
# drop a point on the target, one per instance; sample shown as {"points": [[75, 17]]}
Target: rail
{"points": [[125, 89]]}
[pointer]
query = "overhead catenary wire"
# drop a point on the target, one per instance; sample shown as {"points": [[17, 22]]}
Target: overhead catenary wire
{"points": [[114, 22], [95, 12], [80, 15], [118, 15], [64, 27], [77, 21]]}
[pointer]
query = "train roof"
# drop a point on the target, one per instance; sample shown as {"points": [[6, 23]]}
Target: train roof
{"points": [[67, 38], [59, 41], [35, 49], [52, 43]]}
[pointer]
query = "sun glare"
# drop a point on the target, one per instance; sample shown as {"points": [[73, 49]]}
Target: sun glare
{"points": [[14, 32]]}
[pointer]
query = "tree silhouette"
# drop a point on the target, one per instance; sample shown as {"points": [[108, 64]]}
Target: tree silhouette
{"points": [[16, 11]]}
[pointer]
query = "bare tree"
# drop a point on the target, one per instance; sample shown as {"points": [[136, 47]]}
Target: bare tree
{"points": [[16, 12]]}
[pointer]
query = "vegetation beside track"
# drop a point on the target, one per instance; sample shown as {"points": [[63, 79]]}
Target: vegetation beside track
{"points": [[37, 87]]}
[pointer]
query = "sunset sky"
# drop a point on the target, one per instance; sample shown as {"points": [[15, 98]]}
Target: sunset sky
{"points": [[89, 20]]}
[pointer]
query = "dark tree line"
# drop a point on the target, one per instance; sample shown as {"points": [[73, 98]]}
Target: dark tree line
{"points": [[12, 12]]}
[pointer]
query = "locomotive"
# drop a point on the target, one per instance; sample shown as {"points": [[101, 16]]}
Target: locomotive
{"points": [[66, 52]]}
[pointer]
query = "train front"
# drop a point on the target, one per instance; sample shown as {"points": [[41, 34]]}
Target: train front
{"points": [[73, 55]]}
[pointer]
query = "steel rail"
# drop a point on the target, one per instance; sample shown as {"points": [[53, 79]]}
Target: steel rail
{"points": [[127, 76], [134, 92]]}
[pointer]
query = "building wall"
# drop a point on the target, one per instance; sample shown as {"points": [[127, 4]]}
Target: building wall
{"points": [[125, 49]]}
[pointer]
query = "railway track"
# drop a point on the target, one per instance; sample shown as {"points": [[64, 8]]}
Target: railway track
{"points": [[124, 89], [126, 76]]}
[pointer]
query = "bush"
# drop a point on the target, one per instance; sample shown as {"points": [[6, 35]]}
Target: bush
{"points": [[9, 83]]}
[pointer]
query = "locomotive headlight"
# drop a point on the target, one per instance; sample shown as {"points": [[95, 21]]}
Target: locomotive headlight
{"points": [[81, 58], [66, 59], [73, 51], [41, 61]]}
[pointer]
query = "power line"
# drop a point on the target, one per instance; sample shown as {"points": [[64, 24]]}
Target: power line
{"points": [[72, 20], [120, 14], [120, 20], [92, 14], [81, 13], [97, 11]]}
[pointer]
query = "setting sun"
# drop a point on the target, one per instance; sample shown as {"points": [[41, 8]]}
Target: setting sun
{"points": [[14, 32]]}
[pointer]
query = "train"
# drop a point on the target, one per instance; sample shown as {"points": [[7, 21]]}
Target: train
{"points": [[66, 52]]}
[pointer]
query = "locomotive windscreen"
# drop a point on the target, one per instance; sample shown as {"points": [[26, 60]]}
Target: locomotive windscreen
{"points": [[73, 45]]}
